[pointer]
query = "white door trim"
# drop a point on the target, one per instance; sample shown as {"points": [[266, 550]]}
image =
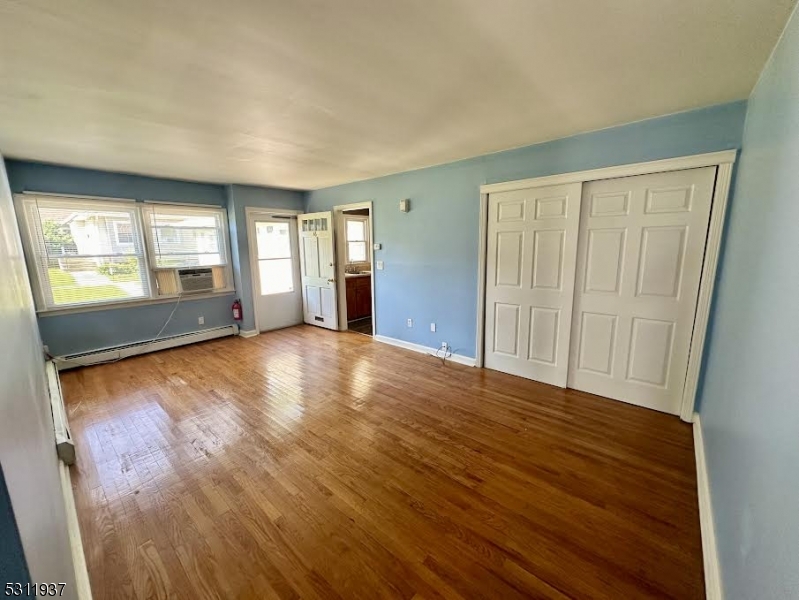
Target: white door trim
{"points": [[723, 160], [250, 213], [711, 159], [340, 260]]}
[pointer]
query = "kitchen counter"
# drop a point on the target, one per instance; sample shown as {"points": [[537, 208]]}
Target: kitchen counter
{"points": [[354, 275]]}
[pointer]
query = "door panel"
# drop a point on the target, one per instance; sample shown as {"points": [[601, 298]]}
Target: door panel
{"points": [[317, 269], [531, 255], [276, 269], [641, 246]]}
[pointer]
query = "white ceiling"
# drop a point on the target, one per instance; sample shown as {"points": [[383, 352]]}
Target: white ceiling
{"points": [[306, 94]]}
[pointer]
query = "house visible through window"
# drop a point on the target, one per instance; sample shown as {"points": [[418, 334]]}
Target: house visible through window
{"points": [[357, 239], [123, 231], [94, 252]]}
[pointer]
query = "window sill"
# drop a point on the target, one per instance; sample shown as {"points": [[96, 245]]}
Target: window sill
{"points": [[68, 310]]}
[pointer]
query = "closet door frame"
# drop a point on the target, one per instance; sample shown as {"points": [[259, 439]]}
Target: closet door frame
{"points": [[724, 162]]}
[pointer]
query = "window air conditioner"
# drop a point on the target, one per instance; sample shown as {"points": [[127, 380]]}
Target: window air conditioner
{"points": [[196, 280]]}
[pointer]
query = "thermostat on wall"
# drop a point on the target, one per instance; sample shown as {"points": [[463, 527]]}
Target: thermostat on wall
{"points": [[405, 205]]}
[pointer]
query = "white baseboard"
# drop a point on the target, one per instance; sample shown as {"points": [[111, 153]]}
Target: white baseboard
{"points": [[248, 333], [109, 354], [456, 358], [713, 590]]}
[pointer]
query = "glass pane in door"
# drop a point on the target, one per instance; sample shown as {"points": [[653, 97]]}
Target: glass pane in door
{"points": [[277, 276], [275, 266], [274, 240]]}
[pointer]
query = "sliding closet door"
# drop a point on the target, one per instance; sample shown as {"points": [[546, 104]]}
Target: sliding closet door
{"points": [[531, 256], [641, 246]]}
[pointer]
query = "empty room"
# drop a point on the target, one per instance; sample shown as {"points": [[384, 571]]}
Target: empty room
{"points": [[411, 300]]}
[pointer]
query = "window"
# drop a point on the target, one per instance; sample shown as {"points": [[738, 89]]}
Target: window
{"points": [[85, 252], [78, 258], [275, 267], [357, 239]]}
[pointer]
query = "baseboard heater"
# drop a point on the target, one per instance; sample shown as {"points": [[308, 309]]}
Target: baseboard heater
{"points": [[65, 449], [86, 359]]}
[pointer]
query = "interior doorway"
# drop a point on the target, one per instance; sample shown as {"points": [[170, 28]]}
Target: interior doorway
{"points": [[275, 268], [354, 258]]}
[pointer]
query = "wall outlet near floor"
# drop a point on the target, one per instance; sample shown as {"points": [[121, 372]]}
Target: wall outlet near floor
{"points": [[432, 326], [444, 346], [410, 322], [200, 320]]}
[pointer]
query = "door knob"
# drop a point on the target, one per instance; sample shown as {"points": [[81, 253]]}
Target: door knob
{"points": [[330, 280]]}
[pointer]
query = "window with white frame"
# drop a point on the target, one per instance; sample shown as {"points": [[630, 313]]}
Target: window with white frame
{"points": [[357, 233], [83, 252]]}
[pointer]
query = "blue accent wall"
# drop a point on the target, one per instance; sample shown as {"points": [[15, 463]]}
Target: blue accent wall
{"points": [[13, 568], [750, 395], [240, 197], [430, 253], [97, 329]]}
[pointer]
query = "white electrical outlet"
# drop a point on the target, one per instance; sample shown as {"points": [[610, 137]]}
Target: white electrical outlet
{"points": [[444, 346], [432, 326], [379, 265], [378, 246], [410, 322], [201, 320]]}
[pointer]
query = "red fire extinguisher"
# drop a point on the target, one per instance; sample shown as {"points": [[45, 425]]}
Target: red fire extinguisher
{"points": [[237, 310]]}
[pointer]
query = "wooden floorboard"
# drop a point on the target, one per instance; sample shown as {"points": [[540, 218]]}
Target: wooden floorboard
{"points": [[304, 463]]}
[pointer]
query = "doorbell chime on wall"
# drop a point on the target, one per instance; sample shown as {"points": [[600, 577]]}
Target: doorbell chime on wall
{"points": [[405, 205]]}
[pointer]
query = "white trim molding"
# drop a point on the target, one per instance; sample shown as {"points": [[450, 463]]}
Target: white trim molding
{"points": [[248, 333], [250, 214], [713, 588], [696, 161], [718, 210], [456, 358], [722, 160], [339, 244]]}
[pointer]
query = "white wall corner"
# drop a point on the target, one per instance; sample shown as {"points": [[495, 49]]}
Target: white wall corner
{"points": [[713, 589], [248, 333], [456, 358]]}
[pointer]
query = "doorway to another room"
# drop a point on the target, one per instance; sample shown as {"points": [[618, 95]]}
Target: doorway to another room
{"points": [[354, 252], [275, 268]]}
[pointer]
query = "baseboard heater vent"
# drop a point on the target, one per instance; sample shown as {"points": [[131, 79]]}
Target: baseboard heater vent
{"points": [[109, 354]]}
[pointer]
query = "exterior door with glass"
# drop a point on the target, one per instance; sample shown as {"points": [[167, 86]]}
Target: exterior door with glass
{"points": [[276, 270]]}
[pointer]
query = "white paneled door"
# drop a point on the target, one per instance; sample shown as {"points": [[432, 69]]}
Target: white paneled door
{"points": [[317, 268], [641, 246], [531, 256]]}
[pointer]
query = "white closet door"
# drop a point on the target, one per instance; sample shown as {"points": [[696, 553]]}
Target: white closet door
{"points": [[642, 242], [531, 256]]}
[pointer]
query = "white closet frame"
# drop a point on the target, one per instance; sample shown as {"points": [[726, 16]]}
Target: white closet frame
{"points": [[723, 160]]}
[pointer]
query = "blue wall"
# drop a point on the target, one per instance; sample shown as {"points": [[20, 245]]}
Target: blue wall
{"points": [[239, 198], [750, 395], [430, 253], [82, 332]]}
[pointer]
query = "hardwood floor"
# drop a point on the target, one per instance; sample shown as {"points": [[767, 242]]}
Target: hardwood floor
{"points": [[303, 463]]}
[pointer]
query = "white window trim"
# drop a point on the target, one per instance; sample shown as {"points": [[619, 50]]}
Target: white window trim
{"points": [[153, 297], [365, 220]]}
